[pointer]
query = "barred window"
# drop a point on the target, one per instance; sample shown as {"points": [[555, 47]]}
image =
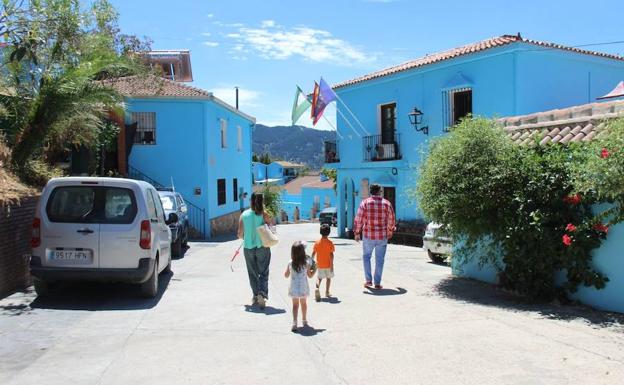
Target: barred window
{"points": [[146, 127], [457, 104]]}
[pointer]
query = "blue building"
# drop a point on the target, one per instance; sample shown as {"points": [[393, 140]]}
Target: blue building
{"points": [[278, 172], [501, 76], [308, 195], [187, 137]]}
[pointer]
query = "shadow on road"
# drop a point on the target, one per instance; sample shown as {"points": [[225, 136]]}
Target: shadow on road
{"points": [[330, 300], [269, 310], [471, 291], [309, 331], [100, 296], [385, 291]]}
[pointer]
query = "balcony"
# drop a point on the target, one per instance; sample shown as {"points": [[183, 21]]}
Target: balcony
{"points": [[331, 152], [378, 149]]}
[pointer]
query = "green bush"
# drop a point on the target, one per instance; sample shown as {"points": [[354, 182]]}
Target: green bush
{"points": [[520, 198]]}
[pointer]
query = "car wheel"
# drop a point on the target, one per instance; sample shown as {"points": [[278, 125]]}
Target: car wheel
{"points": [[42, 288], [185, 239], [435, 258], [176, 248], [149, 288]]}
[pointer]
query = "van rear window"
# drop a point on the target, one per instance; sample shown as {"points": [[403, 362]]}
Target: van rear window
{"points": [[91, 204]]}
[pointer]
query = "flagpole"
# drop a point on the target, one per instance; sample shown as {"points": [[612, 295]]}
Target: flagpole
{"points": [[347, 120], [351, 113], [332, 126]]}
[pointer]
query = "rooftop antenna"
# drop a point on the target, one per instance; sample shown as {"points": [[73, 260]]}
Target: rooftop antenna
{"points": [[236, 88]]}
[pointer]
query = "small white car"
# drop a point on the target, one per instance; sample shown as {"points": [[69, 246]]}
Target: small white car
{"points": [[437, 242], [100, 229]]}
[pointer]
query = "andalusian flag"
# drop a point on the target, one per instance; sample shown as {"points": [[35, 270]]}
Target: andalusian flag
{"points": [[299, 108], [322, 96]]}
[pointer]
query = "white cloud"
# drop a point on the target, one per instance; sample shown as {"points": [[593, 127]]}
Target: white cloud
{"points": [[268, 23], [381, 1], [273, 41], [246, 98], [207, 34], [211, 43], [210, 15]]}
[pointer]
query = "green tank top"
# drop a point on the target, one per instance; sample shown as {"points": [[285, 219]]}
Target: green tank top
{"points": [[251, 221]]}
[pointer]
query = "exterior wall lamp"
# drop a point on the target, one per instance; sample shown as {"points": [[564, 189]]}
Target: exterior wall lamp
{"points": [[415, 118]]}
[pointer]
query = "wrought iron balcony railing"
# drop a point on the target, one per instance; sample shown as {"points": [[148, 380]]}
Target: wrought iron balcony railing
{"points": [[381, 148], [331, 152]]}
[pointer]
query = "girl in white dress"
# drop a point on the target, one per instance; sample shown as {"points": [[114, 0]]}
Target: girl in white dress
{"points": [[299, 270]]}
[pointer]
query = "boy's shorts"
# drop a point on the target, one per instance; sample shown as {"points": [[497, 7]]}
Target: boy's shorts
{"points": [[325, 273]]}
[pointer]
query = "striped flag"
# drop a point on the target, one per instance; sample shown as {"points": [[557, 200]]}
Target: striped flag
{"points": [[299, 108]]}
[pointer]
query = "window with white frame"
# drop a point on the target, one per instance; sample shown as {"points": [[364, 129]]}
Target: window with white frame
{"points": [[223, 133], [239, 144], [457, 104], [146, 127]]}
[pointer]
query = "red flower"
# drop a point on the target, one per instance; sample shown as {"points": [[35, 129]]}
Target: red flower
{"points": [[570, 228], [600, 227], [567, 240], [572, 199], [604, 153]]}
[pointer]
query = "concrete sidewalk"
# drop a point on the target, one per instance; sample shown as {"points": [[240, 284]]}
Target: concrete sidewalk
{"points": [[424, 328]]}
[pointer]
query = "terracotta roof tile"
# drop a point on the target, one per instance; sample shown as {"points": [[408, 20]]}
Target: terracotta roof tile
{"points": [[573, 124], [151, 86], [466, 50]]}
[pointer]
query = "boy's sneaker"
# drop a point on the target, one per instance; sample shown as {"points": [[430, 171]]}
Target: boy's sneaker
{"points": [[261, 301], [317, 295]]}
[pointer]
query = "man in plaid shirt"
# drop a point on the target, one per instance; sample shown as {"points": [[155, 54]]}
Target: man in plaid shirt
{"points": [[375, 224]]}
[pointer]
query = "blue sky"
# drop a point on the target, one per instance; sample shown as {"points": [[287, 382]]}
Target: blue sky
{"points": [[267, 47]]}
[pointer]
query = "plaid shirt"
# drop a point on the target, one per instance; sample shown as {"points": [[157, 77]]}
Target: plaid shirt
{"points": [[375, 218]]}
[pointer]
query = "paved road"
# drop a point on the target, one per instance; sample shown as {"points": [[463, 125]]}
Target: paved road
{"points": [[425, 328]]}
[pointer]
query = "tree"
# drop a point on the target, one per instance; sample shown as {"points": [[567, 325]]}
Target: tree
{"points": [[55, 57]]}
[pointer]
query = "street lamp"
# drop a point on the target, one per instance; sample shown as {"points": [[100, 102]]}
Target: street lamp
{"points": [[415, 118]]}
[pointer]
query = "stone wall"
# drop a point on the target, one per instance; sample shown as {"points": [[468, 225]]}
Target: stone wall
{"points": [[15, 232], [225, 224]]}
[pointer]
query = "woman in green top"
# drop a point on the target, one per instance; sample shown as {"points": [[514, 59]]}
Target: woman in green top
{"points": [[257, 257]]}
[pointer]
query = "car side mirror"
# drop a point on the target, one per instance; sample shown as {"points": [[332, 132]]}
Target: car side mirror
{"points": [[173, 218]]}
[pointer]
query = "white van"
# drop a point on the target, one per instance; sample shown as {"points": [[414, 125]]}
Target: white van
{"points": [[100, 229]]}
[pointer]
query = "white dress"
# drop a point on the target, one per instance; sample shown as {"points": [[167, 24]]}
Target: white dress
{"points": [[299, 287]]}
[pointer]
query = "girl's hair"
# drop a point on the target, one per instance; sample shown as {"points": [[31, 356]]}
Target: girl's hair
{"points": [[298, 256], [257, 203]]}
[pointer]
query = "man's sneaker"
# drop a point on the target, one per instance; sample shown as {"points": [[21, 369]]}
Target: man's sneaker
{"points": [[317, 295], [261, 301], [368, 284], [378, 287]]}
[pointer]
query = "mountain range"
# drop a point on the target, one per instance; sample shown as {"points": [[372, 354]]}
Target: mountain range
{"points": [[293, 143]]}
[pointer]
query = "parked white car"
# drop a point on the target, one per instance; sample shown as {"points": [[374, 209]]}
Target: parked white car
{"points": [[437, 242], [100, 229]]}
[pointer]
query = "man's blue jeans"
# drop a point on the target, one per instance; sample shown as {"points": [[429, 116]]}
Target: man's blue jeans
{"points": [[379, 246]]}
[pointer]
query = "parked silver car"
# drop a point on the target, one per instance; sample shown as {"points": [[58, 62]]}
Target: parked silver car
{"points": [[437, 242], [174, 203]]}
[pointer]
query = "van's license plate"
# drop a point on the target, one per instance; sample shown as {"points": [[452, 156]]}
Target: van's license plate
{"points": [[69, 255]]}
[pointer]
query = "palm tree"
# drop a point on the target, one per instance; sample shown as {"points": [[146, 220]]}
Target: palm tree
{"points": [[54, 63]]}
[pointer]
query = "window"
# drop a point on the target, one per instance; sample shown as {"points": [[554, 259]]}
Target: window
{"points": [[160, 213], [239, 145], [457, 105], [235, 189], [91, 204], [221, 192], [151, 206], [388, 119], [223, 133], [146, 127]]}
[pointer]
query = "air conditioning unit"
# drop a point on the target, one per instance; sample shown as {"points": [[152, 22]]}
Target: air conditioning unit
{"points": [[385, 151]]}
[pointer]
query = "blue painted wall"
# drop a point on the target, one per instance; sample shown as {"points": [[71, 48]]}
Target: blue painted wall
{"points": [[188, 149], [608, 259], [326, 198], [515, 79]]}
